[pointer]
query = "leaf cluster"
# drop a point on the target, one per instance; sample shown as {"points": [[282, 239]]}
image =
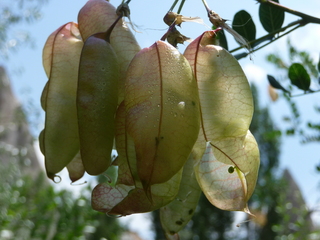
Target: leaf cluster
{"points": [[301, 73], [271, 16], [271, 19]]}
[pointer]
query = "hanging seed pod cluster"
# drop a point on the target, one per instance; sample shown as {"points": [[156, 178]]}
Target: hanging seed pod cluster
{"points": [[178, 122]]}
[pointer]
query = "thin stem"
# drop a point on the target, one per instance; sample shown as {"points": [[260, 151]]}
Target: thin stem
{"points": [[300, 22], [302, 94], [128, 1], [109, 31], [206, 6], [181, 6], [254, 50], [308, 18], [173, 5], [216, 20], [164, 37], [291, 30]]}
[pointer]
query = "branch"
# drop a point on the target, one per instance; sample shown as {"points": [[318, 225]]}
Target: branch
{"points": [[277, 38], [301, 22], [173, 5], [306, 17], [269, 35], [181, 6], [217, 21], [303, 94], [266, 37]]}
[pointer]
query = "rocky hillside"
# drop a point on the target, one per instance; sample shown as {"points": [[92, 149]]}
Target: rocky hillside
{"points": [[16, 142]]}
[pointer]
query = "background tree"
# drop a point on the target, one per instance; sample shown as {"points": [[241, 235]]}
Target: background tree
{"points": [[30, 208], [14, 14], [299, 75]]}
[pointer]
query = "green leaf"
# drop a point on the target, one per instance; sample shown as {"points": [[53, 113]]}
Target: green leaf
{"points": [[271, 18], [299, 76], [243, 24], [290, 131], [274, 83], [222, 39]]}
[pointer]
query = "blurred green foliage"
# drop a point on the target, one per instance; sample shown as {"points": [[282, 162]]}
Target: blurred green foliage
{"points": [[32, 209], [300, 75]]}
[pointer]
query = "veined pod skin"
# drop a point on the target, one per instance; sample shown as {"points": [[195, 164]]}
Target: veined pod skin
{"points": [[162, 111], [47, 55], [226, 107], [97, 100], [97, 16], [60, 140], [225, 96], [176, 215], [225, 184], [125, 149], [124, 200], [47, 51]]}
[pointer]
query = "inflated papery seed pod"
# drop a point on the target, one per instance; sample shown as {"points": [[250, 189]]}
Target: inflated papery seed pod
{"points": [[179, 212], [59, 140], [97, 16], [228, 183], [124, 200], [97, 100], [226, 107], [162, 111], [127, 196]]}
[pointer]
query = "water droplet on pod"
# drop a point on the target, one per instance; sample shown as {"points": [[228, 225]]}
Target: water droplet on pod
{"points": [[181, 105]]}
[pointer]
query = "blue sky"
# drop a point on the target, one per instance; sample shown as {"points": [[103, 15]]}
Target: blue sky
{"points": [[147, 16]]}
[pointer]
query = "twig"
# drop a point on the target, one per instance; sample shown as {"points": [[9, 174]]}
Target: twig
{"points": [[252, 43], [217, 21], [301, 22], [173, 5], [181, 6], [306, 17], [303, 94], [254, 50]]}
